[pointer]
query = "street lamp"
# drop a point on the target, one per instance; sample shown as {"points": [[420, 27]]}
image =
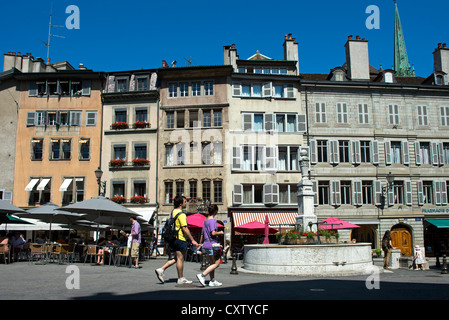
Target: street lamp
{"points": [[101, 184], [385, 189]]}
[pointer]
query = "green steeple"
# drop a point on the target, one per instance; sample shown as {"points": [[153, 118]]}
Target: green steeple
{"points": [[401, 64]]}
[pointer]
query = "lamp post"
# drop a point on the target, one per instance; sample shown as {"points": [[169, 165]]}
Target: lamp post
{"points": [[386, 188], [101, 184]]}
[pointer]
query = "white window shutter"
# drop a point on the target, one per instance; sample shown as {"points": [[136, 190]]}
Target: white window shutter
{"points": [[313, 152], [7, 195], [390, 196], [408, 192], [405, 153], [87, 84], [375, 152], [419, 187], [269, 120], [247, 121], [356, 159], [434, 153], [437, 192], [335, 156], [33, 89], [418, 159], [388, 156], [357, 192], [443, 189], [237, 195], [267, 89], [377, 192], [236, 89], [440, 153], [315, 191], [335, 193], [237, 158], [301, 122], [267, 194], [31, 119], [275, 193], [270, 157]]}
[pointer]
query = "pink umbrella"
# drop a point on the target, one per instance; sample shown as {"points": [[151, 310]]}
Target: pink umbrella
{"points": [[195, 222], [333, 223], [265, 240], [254, 227]]}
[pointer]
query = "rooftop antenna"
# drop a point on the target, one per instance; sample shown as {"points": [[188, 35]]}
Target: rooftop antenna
{"points": [[50, 26], [189, 61]]}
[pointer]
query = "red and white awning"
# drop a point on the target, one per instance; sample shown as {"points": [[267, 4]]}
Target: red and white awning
{"points": [[275, 218]]}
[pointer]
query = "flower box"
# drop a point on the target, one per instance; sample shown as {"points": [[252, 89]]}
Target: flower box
{"points": [[119, 125], [118, 199], [117, 163], [140, 162], [139, 199], [141, 124]]}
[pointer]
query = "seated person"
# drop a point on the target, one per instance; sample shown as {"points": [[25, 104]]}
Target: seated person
{"points": [[18, 244]]}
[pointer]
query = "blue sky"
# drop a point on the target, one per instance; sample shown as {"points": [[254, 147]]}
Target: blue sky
{"points": [[126, 35]]}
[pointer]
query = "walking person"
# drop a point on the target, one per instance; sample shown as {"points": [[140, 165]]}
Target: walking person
{"points": [[387, 247], [178, 247], [135, 242], [211, 246], [419, 258], [154, 246]]}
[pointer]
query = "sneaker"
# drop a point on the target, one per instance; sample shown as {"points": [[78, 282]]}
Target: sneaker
{"points": [[184, 281], [202, 279], [215, 283], [160, 274]]}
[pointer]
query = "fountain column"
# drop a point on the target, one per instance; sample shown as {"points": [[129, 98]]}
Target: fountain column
{"points": [[306, 207]]}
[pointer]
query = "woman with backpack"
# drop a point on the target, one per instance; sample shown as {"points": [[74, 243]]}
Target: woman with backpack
{"points": [[211, 247], [387, 247]]}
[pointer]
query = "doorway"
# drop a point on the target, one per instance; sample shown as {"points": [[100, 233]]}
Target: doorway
{"points": [[401, 238], [366, 233]]}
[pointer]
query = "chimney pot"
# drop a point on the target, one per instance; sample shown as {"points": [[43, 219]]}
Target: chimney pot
{"points": [[289, 36], [350, 37], [439, 45], [357, 37], [444, 45]]}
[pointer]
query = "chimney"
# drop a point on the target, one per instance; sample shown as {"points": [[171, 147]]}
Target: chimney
{"points": [[291, 50], [164, 64], [357, 59], [441, 58], [230, 56]]}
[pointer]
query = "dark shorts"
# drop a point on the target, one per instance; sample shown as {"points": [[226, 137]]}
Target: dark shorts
{"points": [[177, 245]]}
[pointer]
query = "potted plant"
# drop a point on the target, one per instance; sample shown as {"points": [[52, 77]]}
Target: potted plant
{"points": [[117, 162], [118, 199], [140, 162], [138, 199], [119, 125], [377, 252], [141, 124]]}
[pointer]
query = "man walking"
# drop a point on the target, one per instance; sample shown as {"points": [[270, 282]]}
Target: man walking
{"points": [[136, 240], [178, 247]]}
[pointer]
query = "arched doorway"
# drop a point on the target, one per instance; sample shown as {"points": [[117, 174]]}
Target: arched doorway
{"points": [[366, 233], [401, 238]]}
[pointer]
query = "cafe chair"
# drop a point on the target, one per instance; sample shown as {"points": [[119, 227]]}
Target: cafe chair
{"points": [[5, 252], [123, 252]]}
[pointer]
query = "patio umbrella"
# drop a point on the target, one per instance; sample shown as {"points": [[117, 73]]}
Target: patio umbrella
{"points": [[8, 219], [195, 222], [333, 223], [7, 207], [254, 227], [266, 231]]}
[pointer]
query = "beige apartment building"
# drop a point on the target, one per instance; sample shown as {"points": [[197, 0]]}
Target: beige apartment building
{"points": [[129, 140], [193, 122], [59, 129], [266, 134]]}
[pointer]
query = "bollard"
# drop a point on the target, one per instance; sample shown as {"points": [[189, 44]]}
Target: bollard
{"points": [[203, 262], [444, 269], [234, 265]]}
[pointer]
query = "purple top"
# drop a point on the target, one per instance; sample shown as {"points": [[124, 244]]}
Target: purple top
{"points": [[135, 231], [209, 226]]}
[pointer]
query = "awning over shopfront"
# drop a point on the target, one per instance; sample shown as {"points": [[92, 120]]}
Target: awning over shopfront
{"points": [[43, 184], [275, 218], [31, 185], [439, 223], [65, 185]]}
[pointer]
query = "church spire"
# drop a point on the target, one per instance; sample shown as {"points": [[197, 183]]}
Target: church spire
{"points": [[401, 63]]}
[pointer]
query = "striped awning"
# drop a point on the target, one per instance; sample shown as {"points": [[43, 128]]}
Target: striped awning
{"points": [[275, 218]]}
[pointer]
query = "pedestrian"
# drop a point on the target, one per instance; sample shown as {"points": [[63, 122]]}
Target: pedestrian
{"points": [[419, 258], [387, 247], [211, 247], [178, 247], [135, 242], [154, 246]]}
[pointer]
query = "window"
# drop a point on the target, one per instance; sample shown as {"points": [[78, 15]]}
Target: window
{"points": [[287, 158], [363, 113], [84, 149], [193, 119], [172, 90], [168, 192], [218, 191], [286, 122], [193, 185], [170, 120], [444, 111], [118, 188], [142, 114], [322, 150], [398, 192], [287, 194], [217, 118], [396, 152], [343, 147], [252, 194], [320, 113], [196, 89], [345, 192], [169, 160], [427, 192], [365, 151], [73, 190], [209, 88], [60, 149], [64, 118], [42, 193], [91, 118], [342, 113], [422, 116], [180, 152], [393, 114], [120, 115], [424, 152], [140, 151], [37, 146], [180, 122], [206, 191], [184, 89], [142, 83], [367, 192], [119, 151], [122, 85], [140, 189], [52, 118], [180, 188], [207, 117], [323, 192], [445, 153]]}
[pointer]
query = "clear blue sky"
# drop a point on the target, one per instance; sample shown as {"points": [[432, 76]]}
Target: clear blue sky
{"points": [[124, 35]]}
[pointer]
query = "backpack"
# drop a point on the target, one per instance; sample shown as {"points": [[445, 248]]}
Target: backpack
{"points": [[169, 232]]}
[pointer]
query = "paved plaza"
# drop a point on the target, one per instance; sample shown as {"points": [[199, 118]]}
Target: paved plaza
{"points": [[29, 281]]}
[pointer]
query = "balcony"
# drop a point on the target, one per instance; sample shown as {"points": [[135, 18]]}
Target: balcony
{"points": [[136, 164]]}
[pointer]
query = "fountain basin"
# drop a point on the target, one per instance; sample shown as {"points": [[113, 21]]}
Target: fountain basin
{"points": [[308, 260]]}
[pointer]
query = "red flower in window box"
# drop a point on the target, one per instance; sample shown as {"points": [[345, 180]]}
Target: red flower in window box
{"points": [[119, 125], [141, 124], [139, 199], [117, 162], [140, 162], [118, 199]]}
